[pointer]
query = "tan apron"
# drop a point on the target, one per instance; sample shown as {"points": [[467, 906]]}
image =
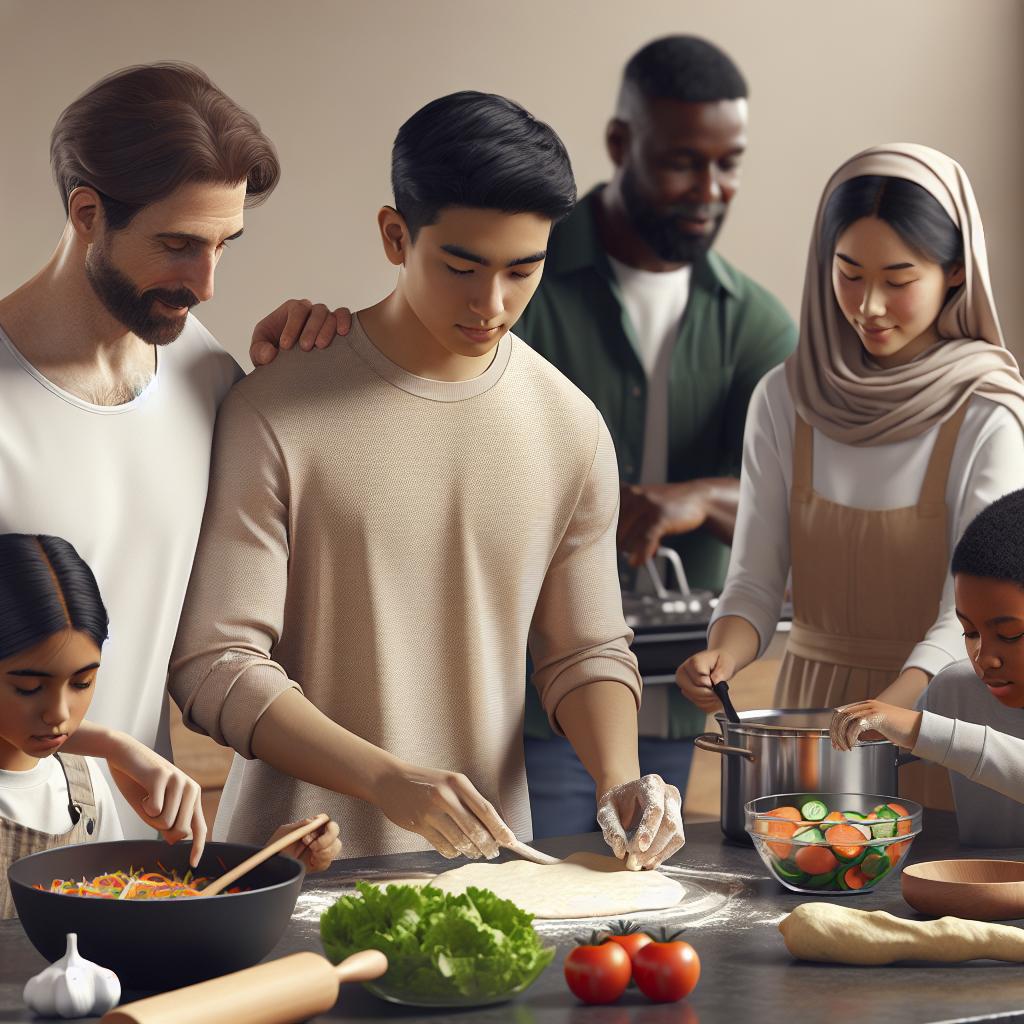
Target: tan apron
{"points": [[17, 840], [867, 586]]}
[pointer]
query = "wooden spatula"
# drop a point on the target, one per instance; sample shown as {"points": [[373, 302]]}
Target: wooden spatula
{"points": [[266, 853], [529, 853]]}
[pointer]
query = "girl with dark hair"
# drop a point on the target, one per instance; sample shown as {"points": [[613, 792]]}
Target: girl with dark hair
{"points": [[52, 628], [898, 418]]}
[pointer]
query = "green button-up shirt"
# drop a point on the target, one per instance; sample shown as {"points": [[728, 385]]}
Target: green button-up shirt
{"points": [[732, 333]]}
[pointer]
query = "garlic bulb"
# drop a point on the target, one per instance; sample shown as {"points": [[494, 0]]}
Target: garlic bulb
{"points": [[73, 987]]}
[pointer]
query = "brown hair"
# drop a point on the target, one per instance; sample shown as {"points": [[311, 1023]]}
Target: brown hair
{"points": [[142, 132]]}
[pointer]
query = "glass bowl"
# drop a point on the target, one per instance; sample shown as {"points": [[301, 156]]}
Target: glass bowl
{"points": [[391, 993], [796, 836]]}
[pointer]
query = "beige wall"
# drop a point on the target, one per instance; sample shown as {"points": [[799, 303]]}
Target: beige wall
{"points": [[332, 81]]}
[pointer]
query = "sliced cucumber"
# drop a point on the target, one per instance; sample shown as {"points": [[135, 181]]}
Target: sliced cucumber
{"points": [[788, 874], [808, 835], [875, 864], [821, 881], [883, 829], [813, 810], [853, 815], [881, 874], [885, 811]]}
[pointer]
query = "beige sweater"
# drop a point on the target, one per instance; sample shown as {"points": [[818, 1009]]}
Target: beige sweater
{"points": [[390, 545]]}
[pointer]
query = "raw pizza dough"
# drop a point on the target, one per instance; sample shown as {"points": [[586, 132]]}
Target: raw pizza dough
{"points": [[843, 935], [582, 885]]}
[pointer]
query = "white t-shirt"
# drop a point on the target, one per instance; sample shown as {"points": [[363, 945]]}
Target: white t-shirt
{"points": [[126, 485], [39, 799], [987, 462], [654, 304]]}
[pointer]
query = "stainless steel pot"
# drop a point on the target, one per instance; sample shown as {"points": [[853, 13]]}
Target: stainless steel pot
{"points": [[789, 751]]}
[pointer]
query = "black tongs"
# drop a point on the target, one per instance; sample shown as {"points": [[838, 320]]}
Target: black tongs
{"points": [[722, 693]]}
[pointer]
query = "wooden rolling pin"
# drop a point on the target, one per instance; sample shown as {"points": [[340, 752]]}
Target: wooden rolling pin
{"points": [[284, 991]]}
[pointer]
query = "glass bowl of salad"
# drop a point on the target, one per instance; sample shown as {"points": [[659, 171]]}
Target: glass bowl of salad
{"points": [[832, 843]]}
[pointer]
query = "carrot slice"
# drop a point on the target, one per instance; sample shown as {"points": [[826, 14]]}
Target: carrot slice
{"points": [[783, 830], [815, 860], [785, 812], [899, 809], [846, 841], [896, 850], [855, 878]]}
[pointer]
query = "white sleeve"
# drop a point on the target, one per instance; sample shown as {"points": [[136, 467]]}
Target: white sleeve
{"points": [[980, 753], [988, 462], [760, 561], [108, 824]]}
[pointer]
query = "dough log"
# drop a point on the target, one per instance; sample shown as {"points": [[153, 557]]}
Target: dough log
{"points": [[825, 932]]}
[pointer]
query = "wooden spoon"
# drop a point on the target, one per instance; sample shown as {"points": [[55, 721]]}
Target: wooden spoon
{"points": [[266, 853]]}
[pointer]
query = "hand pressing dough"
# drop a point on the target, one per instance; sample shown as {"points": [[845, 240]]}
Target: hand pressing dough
{"points": [[582, 885], [826, 932]]}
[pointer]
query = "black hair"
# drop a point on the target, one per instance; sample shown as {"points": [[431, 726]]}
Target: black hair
{"points": [[45, 587], [992, 546], [908, 208], [478, 150], [685, 68]]}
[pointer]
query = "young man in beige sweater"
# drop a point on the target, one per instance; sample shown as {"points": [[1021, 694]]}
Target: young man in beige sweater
{"points": [[394, 520]]}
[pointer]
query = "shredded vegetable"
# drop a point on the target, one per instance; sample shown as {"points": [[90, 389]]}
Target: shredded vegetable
{"points": [[134, 885]]}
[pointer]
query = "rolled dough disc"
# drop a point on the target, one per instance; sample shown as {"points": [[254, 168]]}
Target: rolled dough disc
{"points": [[582, 885]]}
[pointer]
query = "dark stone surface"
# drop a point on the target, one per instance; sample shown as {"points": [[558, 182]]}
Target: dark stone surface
{"points": [[747, 974]]}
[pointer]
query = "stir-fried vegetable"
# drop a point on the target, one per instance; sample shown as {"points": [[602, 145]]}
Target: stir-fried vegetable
{"points": [[134, 885]]}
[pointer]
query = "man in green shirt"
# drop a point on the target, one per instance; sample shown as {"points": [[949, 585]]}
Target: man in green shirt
{"points": [[669, 341]]}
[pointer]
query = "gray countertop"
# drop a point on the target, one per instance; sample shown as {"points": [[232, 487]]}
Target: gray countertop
{"points": [[730, 917]]}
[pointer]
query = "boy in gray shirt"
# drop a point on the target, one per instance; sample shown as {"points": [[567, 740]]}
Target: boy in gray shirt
{"points": [[971, 717]]}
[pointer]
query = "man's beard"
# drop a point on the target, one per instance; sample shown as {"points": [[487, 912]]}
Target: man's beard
{"points": [[132, 308], [660, 228]]}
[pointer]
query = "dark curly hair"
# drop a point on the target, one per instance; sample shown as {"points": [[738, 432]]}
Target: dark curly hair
{"points": [[992, 546], [685, 68]]}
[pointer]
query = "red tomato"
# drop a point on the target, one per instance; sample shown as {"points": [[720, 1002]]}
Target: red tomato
{"points": [[666, 971], [598, 974], [632, 942]]}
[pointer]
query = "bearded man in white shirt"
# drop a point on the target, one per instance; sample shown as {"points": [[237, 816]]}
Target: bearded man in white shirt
{"points": [[109, 387]]}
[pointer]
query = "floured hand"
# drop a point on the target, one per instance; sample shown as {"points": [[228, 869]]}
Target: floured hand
{"points": [[655, 808], [851, 722], [445, 808]]}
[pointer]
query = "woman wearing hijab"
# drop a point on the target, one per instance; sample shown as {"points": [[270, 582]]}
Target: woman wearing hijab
{"points": [[899, 417]]}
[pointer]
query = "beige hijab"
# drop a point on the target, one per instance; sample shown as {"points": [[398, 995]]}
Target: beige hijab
{"points": [[836, 386]]}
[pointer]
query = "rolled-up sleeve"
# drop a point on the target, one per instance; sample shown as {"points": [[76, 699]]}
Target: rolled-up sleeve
{"points": [[222, 675], [578, 634]]}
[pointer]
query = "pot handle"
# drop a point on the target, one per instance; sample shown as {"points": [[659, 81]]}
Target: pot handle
{"points": [[714, 744]]}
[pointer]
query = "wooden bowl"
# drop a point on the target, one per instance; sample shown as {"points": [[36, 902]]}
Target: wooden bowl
{"points": [[978, 890]]}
